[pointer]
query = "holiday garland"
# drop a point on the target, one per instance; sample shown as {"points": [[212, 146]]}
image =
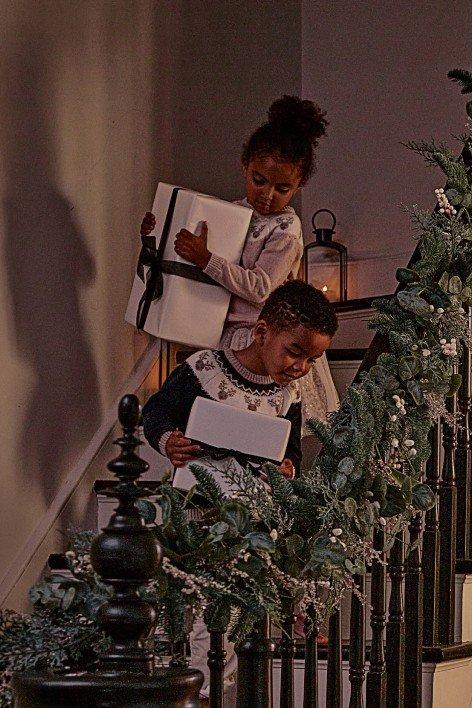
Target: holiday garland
{"points": [[298, 541]]}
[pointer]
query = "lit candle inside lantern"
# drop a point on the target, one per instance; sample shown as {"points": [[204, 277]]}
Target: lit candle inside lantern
{"points": [[324, 288]]}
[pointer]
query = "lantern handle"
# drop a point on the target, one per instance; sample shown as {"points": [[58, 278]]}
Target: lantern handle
{"points": [[328, 211]]}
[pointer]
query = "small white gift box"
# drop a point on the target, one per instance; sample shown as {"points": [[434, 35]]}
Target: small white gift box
{"points": [[225, 427], [192, 308]]}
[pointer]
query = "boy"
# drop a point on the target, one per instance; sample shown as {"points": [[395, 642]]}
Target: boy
{"points": [[294, 328]]}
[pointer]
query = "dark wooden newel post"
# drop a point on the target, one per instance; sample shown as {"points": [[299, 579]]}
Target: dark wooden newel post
{"points": [[126, 556], [255, 655]]}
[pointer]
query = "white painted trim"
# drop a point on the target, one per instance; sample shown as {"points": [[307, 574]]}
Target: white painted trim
{"points": [[24, 556]]}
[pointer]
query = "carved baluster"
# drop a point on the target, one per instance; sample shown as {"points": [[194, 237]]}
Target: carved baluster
{"points": [[287, 654], [463, 461], [447, 527], [395, 644], [431, 542], [310, 683], [357, 646], [334, 678], [376, 677], [216, 664], [414, 616], [126, 557], [255, 656]]}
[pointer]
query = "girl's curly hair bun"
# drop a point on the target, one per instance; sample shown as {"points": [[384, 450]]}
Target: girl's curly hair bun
{"points": [[296, 115]]}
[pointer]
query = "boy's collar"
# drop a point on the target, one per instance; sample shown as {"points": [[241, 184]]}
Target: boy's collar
{"points": [[245, 373]]}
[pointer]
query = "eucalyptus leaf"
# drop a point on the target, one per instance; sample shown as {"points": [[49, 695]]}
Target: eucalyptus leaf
{"points": [[454, 197], [338, 481], [394, 502], [342, 436], [350, 505], [455, 285], [454, 384], [413, 303], [346, 465], [294, 544], [423, 498], [147, 510], [408, 367], [261, 541], [407, 489], [415, 391], [406, 275]]}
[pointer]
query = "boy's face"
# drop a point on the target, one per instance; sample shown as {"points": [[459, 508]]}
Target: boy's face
{"points": [[289, 354], [270, 183]]}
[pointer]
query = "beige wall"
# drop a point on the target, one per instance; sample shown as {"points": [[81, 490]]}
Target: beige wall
{"points": [[379, 69], [99, 100]]}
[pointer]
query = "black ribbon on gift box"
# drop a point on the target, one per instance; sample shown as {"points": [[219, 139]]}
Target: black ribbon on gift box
{"points": [[242, 458], [152, 258]]}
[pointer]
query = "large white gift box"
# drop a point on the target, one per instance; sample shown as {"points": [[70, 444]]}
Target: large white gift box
{"points": [[225, 427], [192, 308]]}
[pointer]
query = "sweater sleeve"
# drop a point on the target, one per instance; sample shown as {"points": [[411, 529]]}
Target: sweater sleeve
{"points": [[281, 254], [169, 408], [294, 448]]}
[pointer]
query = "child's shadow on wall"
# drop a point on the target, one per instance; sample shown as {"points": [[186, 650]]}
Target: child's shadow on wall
{"points": [[48, 265]]}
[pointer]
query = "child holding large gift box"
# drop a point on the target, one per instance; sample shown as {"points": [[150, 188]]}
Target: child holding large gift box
{"points": [[292, 331], [278, 160]]}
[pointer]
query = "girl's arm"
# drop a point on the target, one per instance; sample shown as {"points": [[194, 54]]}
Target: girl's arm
{"points": [[282, 252]]}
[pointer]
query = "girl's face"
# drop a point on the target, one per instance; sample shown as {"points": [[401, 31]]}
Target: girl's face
{"points": [[271, 183]]}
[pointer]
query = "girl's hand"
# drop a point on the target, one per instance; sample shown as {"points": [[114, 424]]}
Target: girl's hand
{"points": [[179, 449], [192, 247], [287, 469], [148, 224]]}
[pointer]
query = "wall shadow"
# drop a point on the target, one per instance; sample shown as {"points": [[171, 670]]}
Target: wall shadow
{"points": [[48, 265]]}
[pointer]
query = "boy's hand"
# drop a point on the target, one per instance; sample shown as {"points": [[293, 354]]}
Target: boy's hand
{"points": [[148, 224], [287, 469], [192, 247], [179, 449]]}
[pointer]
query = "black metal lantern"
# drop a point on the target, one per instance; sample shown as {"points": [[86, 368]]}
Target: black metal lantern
{"points": [[331, 255]]}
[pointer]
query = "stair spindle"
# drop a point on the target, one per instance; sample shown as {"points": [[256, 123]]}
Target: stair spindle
{"points": [[395, 635], [255, 655], [287, 654], [216, 664], [447, 527], [463, 459], [414, 616], [334, 678], [357, 646], [310, 685], [431, 541], [376, 678]]}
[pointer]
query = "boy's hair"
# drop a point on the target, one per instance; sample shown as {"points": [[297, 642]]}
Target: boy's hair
{"points": [[292, 132], [296, 303]]}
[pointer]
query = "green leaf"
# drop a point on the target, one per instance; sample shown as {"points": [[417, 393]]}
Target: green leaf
{"points": [[423, 497], [346, 465], [147, 510], [342, 436], [394, 502], [406, 275], [415, 391], [407, 489], [338, 481], [261, 541], [408, 367], [294, 544], [413, 303], [454, 384], [455, 285], [454, 197], [68, 598], [219, 529], [237, 517], [350, 505]]}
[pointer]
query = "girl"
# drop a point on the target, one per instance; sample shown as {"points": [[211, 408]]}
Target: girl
{"points": [[278, 160]]}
